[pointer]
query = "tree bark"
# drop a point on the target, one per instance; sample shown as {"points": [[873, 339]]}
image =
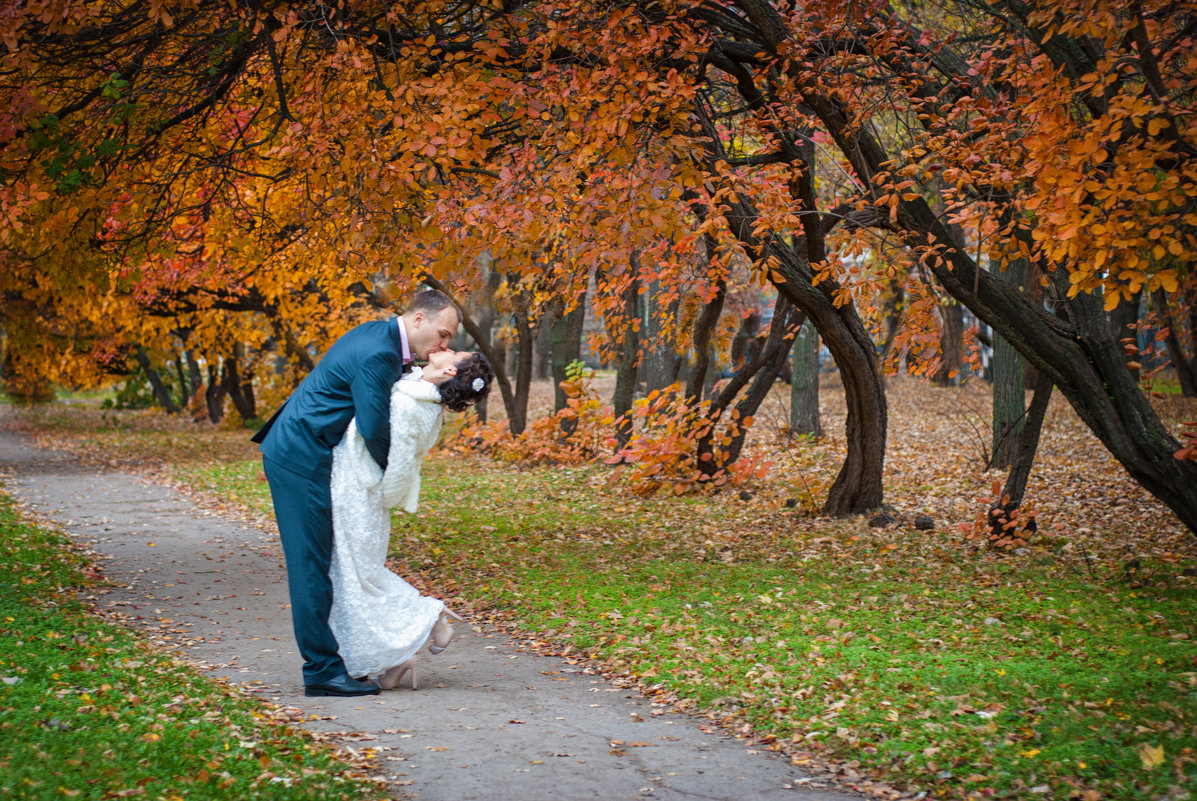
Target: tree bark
{"points": [[542, 349], [893, 308], [625, 365], [1186, 370], [239, 380], [193, 371], [1005, 507], [704, 330], [525, 329], [658, 368], [858, 486], [565, 348], [1009, 384], [951, 364], [184, 385], [804, 384], [214, 393], [161, 393]]}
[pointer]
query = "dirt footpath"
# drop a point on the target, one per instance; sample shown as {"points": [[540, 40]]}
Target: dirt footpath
{"points": [[490, 721]]}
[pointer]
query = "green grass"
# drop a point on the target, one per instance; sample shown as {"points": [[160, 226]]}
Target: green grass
{"points": [[926, 663], [88, 711]]}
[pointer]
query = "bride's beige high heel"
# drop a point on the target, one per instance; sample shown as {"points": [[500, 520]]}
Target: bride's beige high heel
{"points": [[390, 680], [442, 632]]}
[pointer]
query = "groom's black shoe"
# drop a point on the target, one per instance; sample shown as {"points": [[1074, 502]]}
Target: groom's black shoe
{"points": [[341, 685]]}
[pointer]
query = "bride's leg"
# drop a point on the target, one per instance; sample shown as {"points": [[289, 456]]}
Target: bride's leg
{"points": [[442, 631], [390, 680]]}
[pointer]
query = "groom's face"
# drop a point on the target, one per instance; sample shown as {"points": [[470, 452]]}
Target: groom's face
{"points": [[431, 334]]}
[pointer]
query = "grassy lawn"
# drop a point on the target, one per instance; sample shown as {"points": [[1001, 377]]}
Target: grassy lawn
{"points": [[88, 711], [1066, 670]]}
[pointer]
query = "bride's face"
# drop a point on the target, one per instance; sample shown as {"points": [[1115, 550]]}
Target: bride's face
{"points": [[442, 365]]}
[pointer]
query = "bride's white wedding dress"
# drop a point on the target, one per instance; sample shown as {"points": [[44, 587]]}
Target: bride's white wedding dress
{"points": [[378, 618]]}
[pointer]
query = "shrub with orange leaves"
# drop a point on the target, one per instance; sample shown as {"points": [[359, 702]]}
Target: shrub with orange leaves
{"points": [[576, 434], [664, 454]]}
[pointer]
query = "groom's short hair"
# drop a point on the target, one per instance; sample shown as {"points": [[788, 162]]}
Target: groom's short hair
{"points": [[431, 302]]}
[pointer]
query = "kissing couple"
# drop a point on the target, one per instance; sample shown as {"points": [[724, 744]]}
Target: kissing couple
{"points": [[340, 452]]}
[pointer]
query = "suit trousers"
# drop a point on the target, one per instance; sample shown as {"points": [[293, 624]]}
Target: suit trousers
{"points": [[303, 509]]}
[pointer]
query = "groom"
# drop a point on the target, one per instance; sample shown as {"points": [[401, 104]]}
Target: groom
{"points": [[353, 379]]}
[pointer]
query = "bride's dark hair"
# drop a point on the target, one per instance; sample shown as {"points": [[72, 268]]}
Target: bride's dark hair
{"points": [[458, 393]]}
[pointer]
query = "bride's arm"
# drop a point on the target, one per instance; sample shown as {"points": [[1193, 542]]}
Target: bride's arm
{"points": [[403, 459]]}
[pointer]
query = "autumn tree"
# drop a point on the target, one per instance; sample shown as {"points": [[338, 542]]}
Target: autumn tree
{"points": [[296, 164]]}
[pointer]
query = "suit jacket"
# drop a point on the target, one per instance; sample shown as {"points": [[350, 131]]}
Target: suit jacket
{"points": [[353, 379]]}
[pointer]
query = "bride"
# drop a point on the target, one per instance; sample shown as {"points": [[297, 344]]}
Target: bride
{"points": [[380, 621]]}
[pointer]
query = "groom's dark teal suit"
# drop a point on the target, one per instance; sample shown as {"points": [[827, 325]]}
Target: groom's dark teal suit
{"points": [[352, 380]]}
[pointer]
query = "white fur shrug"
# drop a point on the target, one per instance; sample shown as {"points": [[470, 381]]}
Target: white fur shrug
{"points": [[415, 422]]}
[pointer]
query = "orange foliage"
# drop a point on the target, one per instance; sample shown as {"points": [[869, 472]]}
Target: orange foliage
{"points": [[576, 434], [661, 454]]}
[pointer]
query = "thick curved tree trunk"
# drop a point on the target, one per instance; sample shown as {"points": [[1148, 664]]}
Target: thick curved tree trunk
{"points": [[858, 486], [1079, 353], [1082, 359]]}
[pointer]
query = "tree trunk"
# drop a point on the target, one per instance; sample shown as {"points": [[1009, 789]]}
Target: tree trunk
{"points": [[1009, 384], [565, 345], [858, 486], [542, 349], [625, 366], [184, 385], [658, 368], [239, 381], [785, 325], [1186, 373], [525, 329], [893, 309], [193, 371], [161, 393], [704, 331], [565, 348], [804, 384], [1004, 510], [951, 365], [214, 393]]}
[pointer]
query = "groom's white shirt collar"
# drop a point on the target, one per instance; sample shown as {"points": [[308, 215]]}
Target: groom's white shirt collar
{"points": [[403, 338]]}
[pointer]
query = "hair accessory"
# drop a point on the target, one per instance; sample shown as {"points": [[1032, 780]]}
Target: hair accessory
{"points": [[478, 384]]}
